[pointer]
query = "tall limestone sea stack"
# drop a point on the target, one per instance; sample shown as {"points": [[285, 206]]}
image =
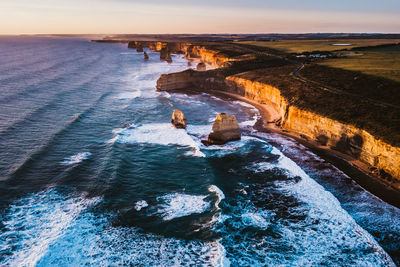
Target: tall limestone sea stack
{"points": [[132, 44], [139, 47], [178, 119], [225, 129], [164, 53]]}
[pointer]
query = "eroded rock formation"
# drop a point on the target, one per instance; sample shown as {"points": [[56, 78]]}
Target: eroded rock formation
{"points": [[334, 134], [331, 133], [201, 67], [191, 79], [178, 119], [225, 129], [328, 132], [131, 45], [139, 47], [164, 53], [168, 58]]}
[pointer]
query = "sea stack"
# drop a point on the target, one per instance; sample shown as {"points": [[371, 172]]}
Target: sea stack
{"points": [[139, 47], [131, 45], [225, 129], [178, 119], [201, 67], [146, 56], [168, 58], [164, 53]]}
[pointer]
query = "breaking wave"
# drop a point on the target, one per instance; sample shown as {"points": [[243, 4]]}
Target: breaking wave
{"points": [[76, 158], [161, 134]]}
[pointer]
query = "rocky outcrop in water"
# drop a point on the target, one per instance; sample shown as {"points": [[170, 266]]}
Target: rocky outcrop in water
{"points": [[178, 119], [164, 53], [131, 44], [225, 129], [146, 56], [139, 47], [201, 67]]}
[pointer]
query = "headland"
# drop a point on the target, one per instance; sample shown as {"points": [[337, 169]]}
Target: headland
{"points": [[337, 113]]}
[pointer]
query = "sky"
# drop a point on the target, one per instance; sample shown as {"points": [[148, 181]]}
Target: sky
{"points": [[207, 16]]}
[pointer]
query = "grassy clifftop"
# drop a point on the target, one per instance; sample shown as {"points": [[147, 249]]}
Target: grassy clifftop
{"points": [[359, 104], [383, 122]]}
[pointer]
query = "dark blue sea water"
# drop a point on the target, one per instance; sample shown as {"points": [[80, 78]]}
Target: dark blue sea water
{"points": [[92, 173]]}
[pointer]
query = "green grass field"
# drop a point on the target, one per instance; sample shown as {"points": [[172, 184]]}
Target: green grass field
{"points": [[300, 46], [379, 61]]}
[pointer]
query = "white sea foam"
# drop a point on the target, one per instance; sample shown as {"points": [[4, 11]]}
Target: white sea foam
{"points": [[47, 228], [336, 228], [250, 123], [179, 205], [256, 219], [76, 158], [37, 221], [126, 246], [229, 148], [159, 133], [245, 104], [218, 192], [165, 94], [199, 130], [141, 204], [193, 101]]}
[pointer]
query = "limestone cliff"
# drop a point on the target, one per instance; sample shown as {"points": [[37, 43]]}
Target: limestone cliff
{"points": [[334, 134], [345, 138], [337, 135], [328, 132], [191, 79], [190, 50]]}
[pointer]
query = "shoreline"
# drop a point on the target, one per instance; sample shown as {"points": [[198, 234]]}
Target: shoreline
{"points": [[354, 169], [357, 170]]}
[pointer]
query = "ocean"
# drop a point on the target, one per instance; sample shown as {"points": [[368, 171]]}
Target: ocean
{"points": [[93, 173]]}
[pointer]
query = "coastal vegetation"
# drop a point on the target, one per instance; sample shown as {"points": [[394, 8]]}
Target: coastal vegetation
{"points": [[382, 61], [364, 88], [348, 111], [300, 46]]}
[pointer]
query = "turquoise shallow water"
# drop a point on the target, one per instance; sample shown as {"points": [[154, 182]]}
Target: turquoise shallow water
{"points": [[92, 172]]}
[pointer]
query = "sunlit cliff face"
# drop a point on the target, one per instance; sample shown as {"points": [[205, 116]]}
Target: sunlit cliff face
{"points": [[345, 138], [123, 16]]}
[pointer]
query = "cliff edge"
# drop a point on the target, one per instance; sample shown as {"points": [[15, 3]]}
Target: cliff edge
{"points": [[334, 121]]}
